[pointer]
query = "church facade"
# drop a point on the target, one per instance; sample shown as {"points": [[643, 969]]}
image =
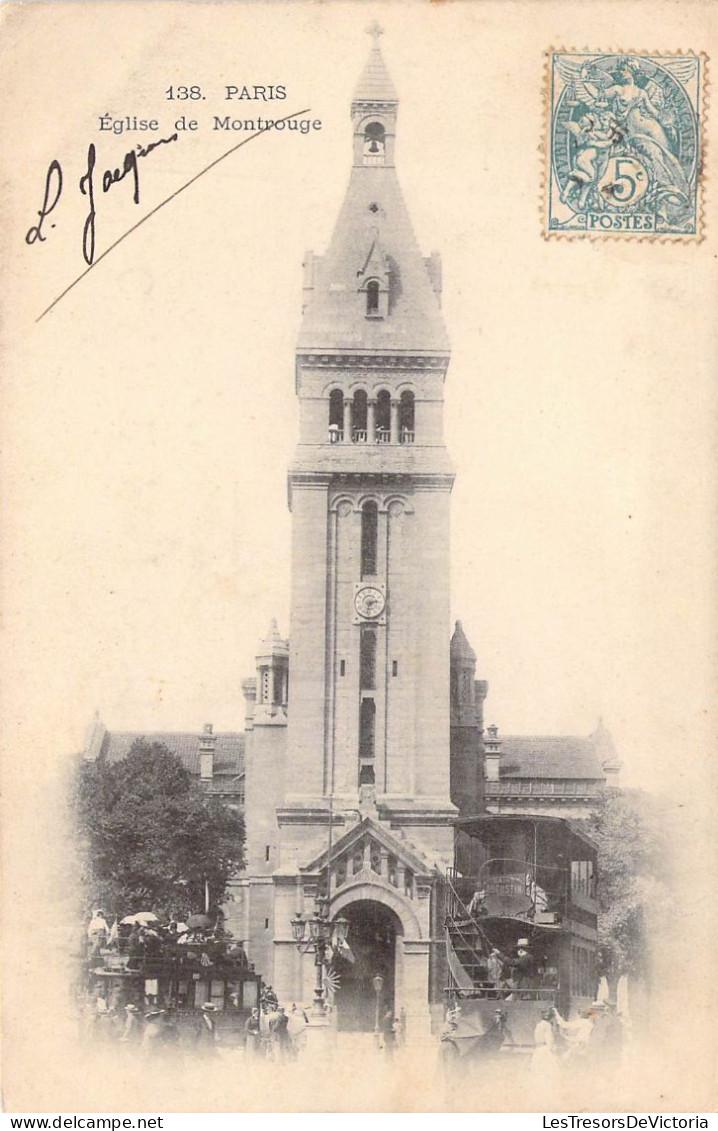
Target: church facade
{"points": [[354, 778], [364, 733], [359, 758]]}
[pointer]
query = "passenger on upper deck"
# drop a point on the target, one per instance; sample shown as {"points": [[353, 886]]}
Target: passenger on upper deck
{"points": [[523, 965], [477, 906]]}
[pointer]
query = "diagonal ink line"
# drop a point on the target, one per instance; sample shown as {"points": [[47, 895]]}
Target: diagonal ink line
{"points": [[162, 203]]}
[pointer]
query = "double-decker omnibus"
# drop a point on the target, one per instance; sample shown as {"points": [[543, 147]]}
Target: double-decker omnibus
{"points": [[520, 924]]}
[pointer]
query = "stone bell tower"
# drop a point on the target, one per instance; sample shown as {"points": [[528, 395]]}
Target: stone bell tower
{"points": [[366, 805], [369, 489]]}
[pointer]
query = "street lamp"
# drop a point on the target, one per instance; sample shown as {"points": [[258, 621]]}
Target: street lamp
{"points": [[315, 935], [378, 984]]}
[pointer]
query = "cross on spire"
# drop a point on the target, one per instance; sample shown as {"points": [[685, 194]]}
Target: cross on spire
{"points": [[375, 30]]}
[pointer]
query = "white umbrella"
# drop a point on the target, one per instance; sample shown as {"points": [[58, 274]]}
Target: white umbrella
{"points": [[139, 917]]}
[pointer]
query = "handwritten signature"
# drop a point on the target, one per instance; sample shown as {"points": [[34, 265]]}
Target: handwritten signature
{"points": [[53, 191], [87, 185]]}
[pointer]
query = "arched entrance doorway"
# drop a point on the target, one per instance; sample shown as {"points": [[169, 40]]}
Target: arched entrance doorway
{"points": [[372, 937]]}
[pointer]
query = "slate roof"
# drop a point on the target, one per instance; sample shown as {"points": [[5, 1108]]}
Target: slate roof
{"points": [[549, 756], [375, 83], [228, 756]]}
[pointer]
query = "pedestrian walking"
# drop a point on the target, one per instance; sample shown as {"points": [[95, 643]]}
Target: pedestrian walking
{"points": [[206, 1032], [252, 1035], [131, 1030], [153, 1032], [279, 1028], [544, 1059]]}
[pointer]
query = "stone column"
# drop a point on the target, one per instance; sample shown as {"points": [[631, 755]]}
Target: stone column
{"points": [[370, 426], [416, 991], [347, 420]]}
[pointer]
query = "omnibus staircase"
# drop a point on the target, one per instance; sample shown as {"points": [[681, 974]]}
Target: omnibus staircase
{"points": [[468, 946]]}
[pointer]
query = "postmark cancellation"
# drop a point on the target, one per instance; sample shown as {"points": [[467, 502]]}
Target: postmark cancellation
{"points": [[624, 145]]}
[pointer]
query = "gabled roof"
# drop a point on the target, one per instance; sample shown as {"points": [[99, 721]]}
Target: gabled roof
{"points": [[549, 756], [398, 847], [228, 755]]}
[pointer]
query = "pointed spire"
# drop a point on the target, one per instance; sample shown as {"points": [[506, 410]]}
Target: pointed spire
{"points": [[460, 647], [373, 227], [272, 644], [375, 84]]}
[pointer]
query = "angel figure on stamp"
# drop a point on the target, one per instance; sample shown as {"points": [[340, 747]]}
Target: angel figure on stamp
{"points": [[646, 124], [594, 135]]}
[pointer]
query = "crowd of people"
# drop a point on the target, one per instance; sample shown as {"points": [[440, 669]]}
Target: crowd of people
{"points": [[595, 1037], [148, 946], [270, 1031]]}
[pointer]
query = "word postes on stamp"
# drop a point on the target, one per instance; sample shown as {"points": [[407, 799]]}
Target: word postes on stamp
{"points": [[624, 145]]}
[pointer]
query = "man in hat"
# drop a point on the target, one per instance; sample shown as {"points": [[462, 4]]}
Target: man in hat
{"points": [[523, 965], [606, 1038], [153, 1032], [279, 1028], [206, 1033]]}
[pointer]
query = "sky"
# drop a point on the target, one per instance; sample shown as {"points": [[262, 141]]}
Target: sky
{"points": [[150, 416]]}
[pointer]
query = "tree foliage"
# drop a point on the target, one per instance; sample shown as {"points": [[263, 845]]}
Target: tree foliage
{"points": [[629, 829], [151, 838]]}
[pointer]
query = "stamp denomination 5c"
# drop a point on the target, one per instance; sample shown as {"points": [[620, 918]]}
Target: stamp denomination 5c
{"points": [[624, 145]]}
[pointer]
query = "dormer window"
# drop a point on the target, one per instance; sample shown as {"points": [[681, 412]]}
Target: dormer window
{"points": [[372, 299], [374, 144]]}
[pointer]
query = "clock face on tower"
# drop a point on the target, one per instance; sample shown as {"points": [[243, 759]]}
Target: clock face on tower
{"points": [[369, 602]]}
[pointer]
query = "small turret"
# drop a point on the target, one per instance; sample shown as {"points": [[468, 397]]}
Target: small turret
{"points": [[607, 754], [207, 745], [272, 691]]}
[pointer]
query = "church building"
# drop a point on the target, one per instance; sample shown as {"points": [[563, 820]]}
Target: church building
{"points": [[364, 733]]}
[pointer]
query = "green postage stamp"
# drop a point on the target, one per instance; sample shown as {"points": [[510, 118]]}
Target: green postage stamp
{"points": [[624, 152]]}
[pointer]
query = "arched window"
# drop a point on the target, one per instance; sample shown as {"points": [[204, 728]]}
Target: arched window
{"points": [[369, 527], [367, 718], [374, 144], [359, 415], [336, 416], [372, 297], [406, 418], [383, 417], [367, 658]]}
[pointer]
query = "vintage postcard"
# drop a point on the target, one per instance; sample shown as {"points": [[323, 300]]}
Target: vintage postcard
{"points": [[357, 578]]}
